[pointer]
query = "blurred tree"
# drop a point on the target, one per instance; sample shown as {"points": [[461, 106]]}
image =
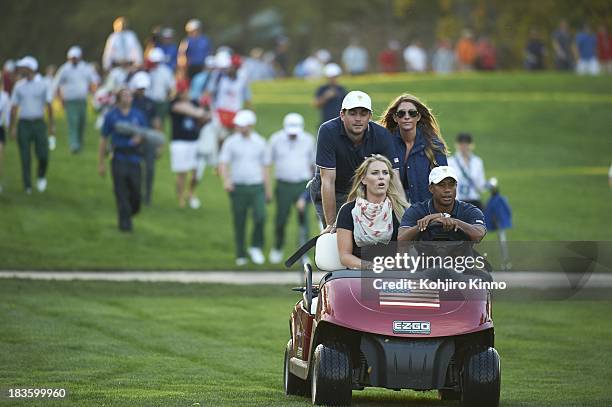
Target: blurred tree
{"points": [[46, 29]]}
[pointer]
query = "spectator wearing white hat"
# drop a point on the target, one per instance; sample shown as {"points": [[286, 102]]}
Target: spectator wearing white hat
{"points": [[121, 46], [243, 166], [452, 214], [187, 118], [140, 85], [292, 152], [74, 80], [163, 84], [194, 48], [342, 145], [229, 91], [328, 97], [30, 97]]}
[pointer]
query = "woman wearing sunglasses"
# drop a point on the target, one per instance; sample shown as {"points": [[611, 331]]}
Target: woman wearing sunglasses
{"points": [[418, 143]]}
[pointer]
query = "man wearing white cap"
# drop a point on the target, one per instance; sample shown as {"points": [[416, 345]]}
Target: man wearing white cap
{"points": [[292, 151], [163, 84], [139, 85], [243, 167], [121, 46], [328, 97], [72, 83], [229, 92], [342, 145], [194, 48], [443, 208], [30, 97]]}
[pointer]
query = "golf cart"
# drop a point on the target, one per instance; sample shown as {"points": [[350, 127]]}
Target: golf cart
{"points": [[347, 335]]}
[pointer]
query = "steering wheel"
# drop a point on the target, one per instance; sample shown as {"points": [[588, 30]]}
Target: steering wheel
{"points": [[436, 233]]}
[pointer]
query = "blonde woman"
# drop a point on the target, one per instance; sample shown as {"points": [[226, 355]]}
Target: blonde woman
{"points": [[372, 212], [418, 143]]}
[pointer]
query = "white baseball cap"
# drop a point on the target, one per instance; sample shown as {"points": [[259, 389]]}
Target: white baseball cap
{"points": [[140, 80], [193, 24], [156, 55], [28, 62], [74, 52], [356, 98], [245, 118], [332, 70], [223, 60], [210, 62], [438, 174], [293, 123]]}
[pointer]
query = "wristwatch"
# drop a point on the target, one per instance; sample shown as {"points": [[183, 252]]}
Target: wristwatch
{"points": [[445, 215]]}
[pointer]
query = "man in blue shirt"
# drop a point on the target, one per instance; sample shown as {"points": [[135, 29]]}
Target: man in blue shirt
{"points": [[329, 97], [139, 83], [443, 208], [342, 145], [194, 49], [126, 157], [586, 52]]}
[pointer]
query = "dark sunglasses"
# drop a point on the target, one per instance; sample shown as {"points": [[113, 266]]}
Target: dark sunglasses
{"points": [[401, 113]]}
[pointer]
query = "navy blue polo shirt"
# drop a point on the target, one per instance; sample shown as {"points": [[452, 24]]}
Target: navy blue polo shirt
{"points": [[331, 109], [463, 211], [123, 148], [415, 169], [146, 106], [336, 151]]}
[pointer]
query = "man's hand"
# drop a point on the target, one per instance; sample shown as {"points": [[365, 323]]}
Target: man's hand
{"points": [[136, 139], [268, 196], [424, 222], [448, 224], [228, 185], [329, 229], [102, 169]]}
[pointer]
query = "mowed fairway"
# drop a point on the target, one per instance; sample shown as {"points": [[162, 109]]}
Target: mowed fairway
{"points": [[171, 344], [545, 136]]}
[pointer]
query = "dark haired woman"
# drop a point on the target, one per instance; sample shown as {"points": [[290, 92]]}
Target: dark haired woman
{"points": [[418, 143]]}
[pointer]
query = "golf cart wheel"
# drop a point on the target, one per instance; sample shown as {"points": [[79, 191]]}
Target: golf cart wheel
{"points": [[293, 384], [331, 376], [447, 394], [481, 378]]}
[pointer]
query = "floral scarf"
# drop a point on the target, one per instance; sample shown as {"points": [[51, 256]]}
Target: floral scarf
{"points": [[373, 223]]}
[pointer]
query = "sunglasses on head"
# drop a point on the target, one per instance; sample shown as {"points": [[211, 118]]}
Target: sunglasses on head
{"points": [[401, 113]]}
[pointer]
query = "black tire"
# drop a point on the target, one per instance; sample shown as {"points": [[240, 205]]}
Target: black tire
{"points": [[481, 378], [446, 394], [331, 381], [294, 386]]}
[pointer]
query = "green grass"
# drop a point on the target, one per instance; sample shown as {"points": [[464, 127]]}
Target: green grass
{"points": [[545, 136], [172, 344]]}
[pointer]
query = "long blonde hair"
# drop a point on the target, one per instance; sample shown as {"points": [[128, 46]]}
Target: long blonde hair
{"points": [[427, 123], [396, 196]]}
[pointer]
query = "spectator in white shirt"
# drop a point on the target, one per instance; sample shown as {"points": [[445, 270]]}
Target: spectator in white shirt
{"points": [[355, 58], [470, 170], [292, 151], [243, 166], [72, 83], [122, 45], [415, 57], [163, 85]]}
